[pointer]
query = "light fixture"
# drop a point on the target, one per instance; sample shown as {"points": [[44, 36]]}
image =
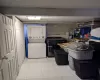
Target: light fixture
{"points": [[34, 18]]}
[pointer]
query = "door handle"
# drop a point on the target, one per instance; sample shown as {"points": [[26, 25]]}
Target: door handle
{"points": [[5, 57]]}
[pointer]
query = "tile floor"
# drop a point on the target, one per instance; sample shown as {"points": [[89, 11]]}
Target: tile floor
{"points": [[45, 69]]}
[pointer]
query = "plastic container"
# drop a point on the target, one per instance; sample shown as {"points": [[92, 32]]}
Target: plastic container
{"points": [[81, 51], [71, 62], [80, 55], [66, 49], [86, 69], [61, 57]]}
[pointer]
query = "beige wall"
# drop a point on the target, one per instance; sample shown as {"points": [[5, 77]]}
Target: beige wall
{"points": [[60, 30], [20, 41]]}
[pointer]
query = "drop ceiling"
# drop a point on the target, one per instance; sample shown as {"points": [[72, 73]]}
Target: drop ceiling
{"points": [[55, 19], [51, 3]]}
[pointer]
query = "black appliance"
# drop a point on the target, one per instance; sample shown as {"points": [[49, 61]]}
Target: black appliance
{"points": [[51, 44]]}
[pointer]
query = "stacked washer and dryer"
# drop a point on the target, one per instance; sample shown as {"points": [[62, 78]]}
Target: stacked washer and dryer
{"points": [[36, 41]]}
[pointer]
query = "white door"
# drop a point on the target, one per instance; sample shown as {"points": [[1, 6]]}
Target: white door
{"points": [[1, 70], [11, 49], [1, 78], [11, 66], [4, 70], [7, 68], [3, 32], [8, 48]]}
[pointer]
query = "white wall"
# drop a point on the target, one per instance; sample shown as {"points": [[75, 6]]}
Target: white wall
{"points": [[20, 41], [60, 30]]}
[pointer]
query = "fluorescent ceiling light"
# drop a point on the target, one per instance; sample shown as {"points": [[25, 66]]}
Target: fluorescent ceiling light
{"points": [[34, 18]]}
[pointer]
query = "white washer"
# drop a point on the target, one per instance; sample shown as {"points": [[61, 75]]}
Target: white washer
{"points": [[36, 50]]}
